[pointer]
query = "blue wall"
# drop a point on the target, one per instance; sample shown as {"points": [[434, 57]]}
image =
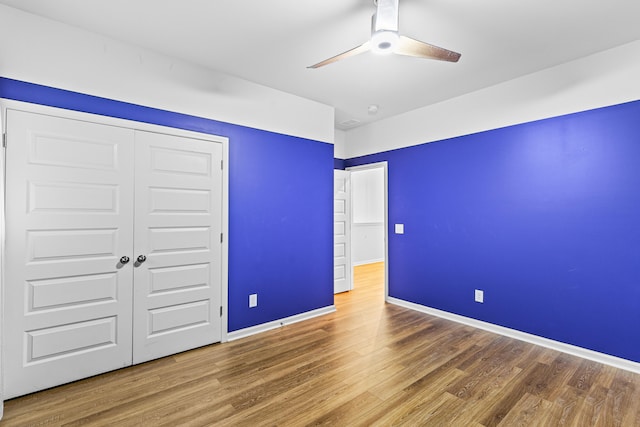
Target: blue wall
{"points": [[280, 205], [543, 216]]}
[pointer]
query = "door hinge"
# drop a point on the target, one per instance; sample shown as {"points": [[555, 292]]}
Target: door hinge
{"points": [[221, 237], [4, 140], [220, 311], [222, 164]]}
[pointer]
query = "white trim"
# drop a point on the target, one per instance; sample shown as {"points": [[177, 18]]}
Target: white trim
{"points": [[252, 330], [584, 353], [368, 261], [224, 292], [3, 130], [9, 104], [385, 169]]}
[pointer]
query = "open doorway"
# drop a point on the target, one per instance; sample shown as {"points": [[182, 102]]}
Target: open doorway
{"points": [[368, 226]]}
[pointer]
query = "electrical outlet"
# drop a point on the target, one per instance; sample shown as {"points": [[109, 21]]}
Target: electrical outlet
{"points": [[479, 296], [399, 228], [253, 300]]}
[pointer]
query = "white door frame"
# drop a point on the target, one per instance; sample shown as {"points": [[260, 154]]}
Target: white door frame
{"points": [[2, 228], [384, 167], [130, 124]]}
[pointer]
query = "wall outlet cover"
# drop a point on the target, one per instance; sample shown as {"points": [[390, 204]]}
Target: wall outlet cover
{"points": [[253, 300], [399, 228], [479, 296]]}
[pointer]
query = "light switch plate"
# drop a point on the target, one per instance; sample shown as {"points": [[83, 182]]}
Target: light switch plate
{"points": [[399, 228]]}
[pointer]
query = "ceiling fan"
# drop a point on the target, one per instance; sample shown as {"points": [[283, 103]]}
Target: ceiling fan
{"points": [[385, 39]]}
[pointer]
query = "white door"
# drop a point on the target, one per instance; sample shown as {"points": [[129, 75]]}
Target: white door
{"points": [[178, 224], [342, 280], [69, 204]]}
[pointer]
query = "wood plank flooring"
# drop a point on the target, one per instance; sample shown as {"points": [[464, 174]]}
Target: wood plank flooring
{"points": [[368, 364]]}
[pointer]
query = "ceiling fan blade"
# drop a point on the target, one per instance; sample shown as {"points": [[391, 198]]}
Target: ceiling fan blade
{"points": [[353, 52], [411, 47]]}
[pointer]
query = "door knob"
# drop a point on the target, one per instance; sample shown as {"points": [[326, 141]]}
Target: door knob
{"points": [[124, 259], [141, 258]]}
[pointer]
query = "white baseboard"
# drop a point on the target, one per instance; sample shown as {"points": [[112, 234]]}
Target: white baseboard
{"points": [[595, 356], [368, 261], [252, 330]]}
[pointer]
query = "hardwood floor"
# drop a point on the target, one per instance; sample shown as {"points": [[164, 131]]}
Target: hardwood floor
{"points": [[369, 363]]}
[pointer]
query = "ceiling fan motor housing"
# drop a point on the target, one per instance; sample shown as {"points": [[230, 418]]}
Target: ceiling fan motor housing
{"points": [[384, 27]]}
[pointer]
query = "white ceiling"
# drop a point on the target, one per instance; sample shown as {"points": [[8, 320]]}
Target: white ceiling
{"points": [[271, 42]]}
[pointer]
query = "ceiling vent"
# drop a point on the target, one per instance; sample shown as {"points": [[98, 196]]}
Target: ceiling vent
{"points": [[348, 124]]}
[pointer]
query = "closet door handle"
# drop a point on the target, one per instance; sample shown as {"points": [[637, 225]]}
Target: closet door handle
{"points": [[141, 259], [124, 260]]}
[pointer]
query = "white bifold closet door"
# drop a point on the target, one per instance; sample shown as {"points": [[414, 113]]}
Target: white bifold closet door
{"points": [[83, 202]]}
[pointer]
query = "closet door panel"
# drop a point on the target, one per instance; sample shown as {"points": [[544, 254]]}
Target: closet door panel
{"points": [[69, 204], [178, 217]]}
